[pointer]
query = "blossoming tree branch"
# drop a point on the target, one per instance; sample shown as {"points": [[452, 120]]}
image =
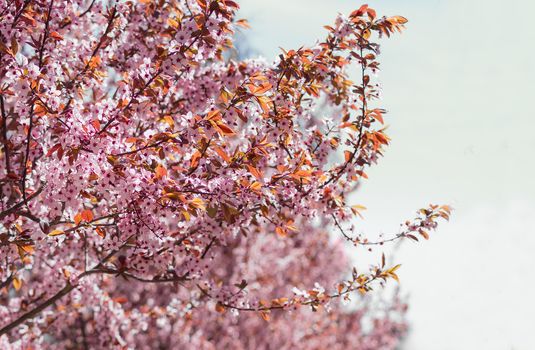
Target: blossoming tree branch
{"points": [[157, 194]]}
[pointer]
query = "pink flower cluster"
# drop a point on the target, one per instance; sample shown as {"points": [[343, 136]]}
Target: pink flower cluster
{"points": [[156, 194]]}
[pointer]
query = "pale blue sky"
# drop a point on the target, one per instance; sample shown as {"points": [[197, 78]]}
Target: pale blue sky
{"points": [[459, 86]]}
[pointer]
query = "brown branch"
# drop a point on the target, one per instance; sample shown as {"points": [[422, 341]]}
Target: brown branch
{"points": [[36, 311], [203, 153], [84, 224], [212, 241], [7, 7], [30, 127], [17, 16], [69, 287], [152, 145], [341, 229], [4, 134], [64, 291], [99, 45], [356, 241], [45, 34], [68, 22], [6, 282], [84, 335], [109, 271], [313, 302], [88, 9], [361, 127], [26, 157], [14, 208], [29, 216]]}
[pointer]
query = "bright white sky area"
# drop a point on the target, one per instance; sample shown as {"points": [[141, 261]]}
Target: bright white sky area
{"points": [[459, 85]]}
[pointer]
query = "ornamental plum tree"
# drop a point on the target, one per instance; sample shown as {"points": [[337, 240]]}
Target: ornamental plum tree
{"points": [[156, 194]]}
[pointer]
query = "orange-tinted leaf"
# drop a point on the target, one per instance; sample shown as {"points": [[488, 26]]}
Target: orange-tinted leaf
{"points": [[24, 249], [256, 186], [56, 36], [169, 120], [198, 203], [17, 283], [399, 19], [225, 130], [303, 173], [120, 300], [87, 215], [243, 23], [39, 110], [265, 315], [53, 149], [78, 218], [172, 23], [222, 154], [160, 171], [195, 159], [56, 233], [371, 13], [379, 116], [220, 308], [213, 114], [423, 233], [255, 172], [394, 276], [100, 232], [347, 155], [264, 103], [14, 46], [94, 62], [260, 90], [96, 124]]}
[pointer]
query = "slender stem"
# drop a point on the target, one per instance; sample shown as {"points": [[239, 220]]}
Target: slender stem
{"points": [[99, 45], [361, 126], [14, 208], [152, 145], [7, 7], [26, 157], [45, 34], [17, 16], [4, 134], [84, 335], [36, 311], [313, 302], [6, 282], [88, 9], [356, 241]]}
